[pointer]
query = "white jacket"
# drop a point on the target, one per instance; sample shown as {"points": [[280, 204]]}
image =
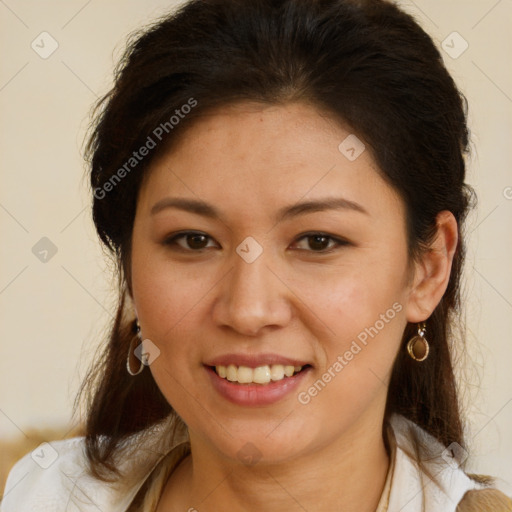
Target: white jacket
{"points": [[65, 486]]}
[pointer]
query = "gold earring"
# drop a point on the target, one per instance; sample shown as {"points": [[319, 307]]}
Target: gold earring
{"points": [[418, 347], [132, 359]]}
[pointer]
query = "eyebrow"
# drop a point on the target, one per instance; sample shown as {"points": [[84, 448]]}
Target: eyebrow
{"points": [[207, 210]]}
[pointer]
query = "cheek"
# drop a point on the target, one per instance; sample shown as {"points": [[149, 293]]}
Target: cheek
{"points": [[366, 311], [354, 372], [170, 312], [362, 309], [353, 297], [166, 294], [169, 301], [171, 304]]}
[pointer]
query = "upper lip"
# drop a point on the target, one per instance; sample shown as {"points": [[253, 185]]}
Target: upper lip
{"points": [[254, 360]]}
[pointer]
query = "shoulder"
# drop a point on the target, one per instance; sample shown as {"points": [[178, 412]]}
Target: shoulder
{"points": [[38, 480], [55, 477], [430, 475]]}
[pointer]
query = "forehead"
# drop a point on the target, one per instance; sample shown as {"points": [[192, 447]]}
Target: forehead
{"points": [[252, 157]]}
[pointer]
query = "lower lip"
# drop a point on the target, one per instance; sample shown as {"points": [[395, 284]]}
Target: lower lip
{"points": [[256, 394]]}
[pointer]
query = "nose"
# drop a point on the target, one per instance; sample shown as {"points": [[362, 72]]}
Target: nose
{"points": [[252, 298]]}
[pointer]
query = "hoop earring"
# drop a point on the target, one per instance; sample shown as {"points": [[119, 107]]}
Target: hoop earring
{"points": [[418, 347], [130, 360]]}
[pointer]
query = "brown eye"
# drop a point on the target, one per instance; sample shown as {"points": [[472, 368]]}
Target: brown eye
{"points": [[188, 241], [321, 242], [196, 241], [318, 242]]}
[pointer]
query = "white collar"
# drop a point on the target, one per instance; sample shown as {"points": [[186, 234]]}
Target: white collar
{"points": [[412, 490], [66, 485]]}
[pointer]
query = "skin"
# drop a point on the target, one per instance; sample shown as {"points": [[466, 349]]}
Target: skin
{"points": [[249, 161]]}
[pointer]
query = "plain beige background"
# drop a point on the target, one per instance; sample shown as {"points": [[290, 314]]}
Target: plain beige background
{"points": [[53, 313]]}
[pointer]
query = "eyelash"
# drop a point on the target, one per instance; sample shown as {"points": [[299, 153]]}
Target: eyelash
{"points": [[171, 241]]}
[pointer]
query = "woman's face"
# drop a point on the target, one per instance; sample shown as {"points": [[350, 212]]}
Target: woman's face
{"points": [[296, 256]]}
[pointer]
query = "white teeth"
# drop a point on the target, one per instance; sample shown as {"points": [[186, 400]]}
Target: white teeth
{"points": [[259, 375], [277, 372], [288, 370], [232, 373], [245, 374]]}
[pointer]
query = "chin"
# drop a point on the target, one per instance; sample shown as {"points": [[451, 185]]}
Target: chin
{"points": [[261, 442]]}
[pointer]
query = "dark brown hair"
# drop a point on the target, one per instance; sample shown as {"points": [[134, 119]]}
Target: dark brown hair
{"points": [[368, 64]]}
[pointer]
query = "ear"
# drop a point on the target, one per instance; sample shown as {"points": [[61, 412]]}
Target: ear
{"points": [[432, 271]]}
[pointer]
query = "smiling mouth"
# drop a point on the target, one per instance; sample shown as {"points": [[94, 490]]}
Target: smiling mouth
{"points": [[259, 375]]}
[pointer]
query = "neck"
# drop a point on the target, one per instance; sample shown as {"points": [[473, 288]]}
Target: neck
{"points": [[347, 475]]}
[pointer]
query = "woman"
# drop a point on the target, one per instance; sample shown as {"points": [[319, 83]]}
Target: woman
{"points": [[282, 185]]}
